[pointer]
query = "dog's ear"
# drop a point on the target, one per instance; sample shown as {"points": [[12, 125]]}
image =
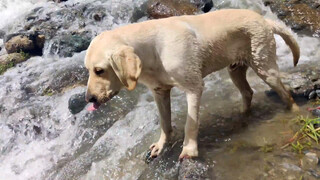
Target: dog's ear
{"points": [[127, 66]]}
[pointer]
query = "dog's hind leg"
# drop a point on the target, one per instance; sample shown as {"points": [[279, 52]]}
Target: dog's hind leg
{"points": [[238, 74], [162, 98], [265, 66]]}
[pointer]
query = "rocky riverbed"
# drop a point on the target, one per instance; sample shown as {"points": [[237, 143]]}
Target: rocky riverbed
{"points": [[46, 132]]}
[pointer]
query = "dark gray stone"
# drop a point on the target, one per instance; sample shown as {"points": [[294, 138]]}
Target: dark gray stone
{"points": [[312, 95], [69, 76], [77, 102], [65, 45], [316, 112], [2, 34], [318, 93], [204, 5]]}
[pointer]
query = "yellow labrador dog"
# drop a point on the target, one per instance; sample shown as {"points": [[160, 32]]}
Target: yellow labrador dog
{"points": [[180, 52]]}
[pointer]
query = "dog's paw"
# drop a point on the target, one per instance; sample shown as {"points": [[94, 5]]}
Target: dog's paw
{"points": [[156, 149], [188, 152]]}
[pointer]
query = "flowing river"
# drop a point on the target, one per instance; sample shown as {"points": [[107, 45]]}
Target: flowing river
{"points": [[41, 139]]}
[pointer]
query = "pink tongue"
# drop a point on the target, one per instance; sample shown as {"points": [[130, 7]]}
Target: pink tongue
{"points": [[94, 107]]}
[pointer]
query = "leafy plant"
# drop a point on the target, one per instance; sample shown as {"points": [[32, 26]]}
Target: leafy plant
{"points": [[307, 133]]}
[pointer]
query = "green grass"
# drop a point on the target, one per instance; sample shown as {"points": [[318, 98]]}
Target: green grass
{"points": [[306, 135]]}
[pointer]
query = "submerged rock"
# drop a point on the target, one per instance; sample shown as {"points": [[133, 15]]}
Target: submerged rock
{"points": [[67, 44], [32, 43], [77, 102], [193, 169], [2, 34], [64, 78]]}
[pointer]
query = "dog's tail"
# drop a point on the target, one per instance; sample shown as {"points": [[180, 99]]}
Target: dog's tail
{"points": [[287, 37]]}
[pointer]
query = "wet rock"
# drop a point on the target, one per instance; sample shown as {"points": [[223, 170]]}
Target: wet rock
{"points": [[69, 17], [139, 12], [316, 112], [10, 60], [64, 78], [302, 15], [312, 95], [2, 34], [77, 102], [96, 13], [166, 8], [65, 45], [302, 81], [32, 43], [193, 169], [309, 161], [291, 167]]}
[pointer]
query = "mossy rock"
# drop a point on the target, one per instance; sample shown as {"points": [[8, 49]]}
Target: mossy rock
{"points": [[10, 60]]}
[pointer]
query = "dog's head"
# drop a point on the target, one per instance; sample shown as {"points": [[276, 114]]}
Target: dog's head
{"points": [[110, 69]]}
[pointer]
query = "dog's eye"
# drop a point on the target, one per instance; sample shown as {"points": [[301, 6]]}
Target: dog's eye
{"points": [[99, 71]]}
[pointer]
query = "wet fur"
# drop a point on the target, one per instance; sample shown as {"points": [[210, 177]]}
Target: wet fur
{"points": [[180, 52]]}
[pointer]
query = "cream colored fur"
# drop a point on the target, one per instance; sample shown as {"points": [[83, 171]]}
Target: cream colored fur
{"points": [[180, 52]]}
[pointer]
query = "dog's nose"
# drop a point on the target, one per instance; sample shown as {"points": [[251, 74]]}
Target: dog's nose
{"points": [[91, 98]]}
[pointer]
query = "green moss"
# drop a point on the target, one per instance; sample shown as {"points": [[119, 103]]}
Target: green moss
{"points": [[4, 67], [13, 59], [24, 55], [266, 148], [48, 92]]}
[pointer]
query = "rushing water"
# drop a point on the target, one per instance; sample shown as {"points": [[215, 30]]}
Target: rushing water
{"points": [[41, 139]]}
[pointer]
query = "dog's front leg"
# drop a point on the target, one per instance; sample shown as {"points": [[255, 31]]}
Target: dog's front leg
{"points": [[162, 98], [190, 145]]}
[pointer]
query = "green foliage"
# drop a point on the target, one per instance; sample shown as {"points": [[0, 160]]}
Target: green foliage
{"points": [[308, 128], [24, 55], [266, 148], [48, 92], [307, 134], [4, 67]]}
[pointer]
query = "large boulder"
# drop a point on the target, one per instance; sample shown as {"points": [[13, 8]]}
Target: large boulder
{"points": [[166, 8], [302, 16], [31, 43]]}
